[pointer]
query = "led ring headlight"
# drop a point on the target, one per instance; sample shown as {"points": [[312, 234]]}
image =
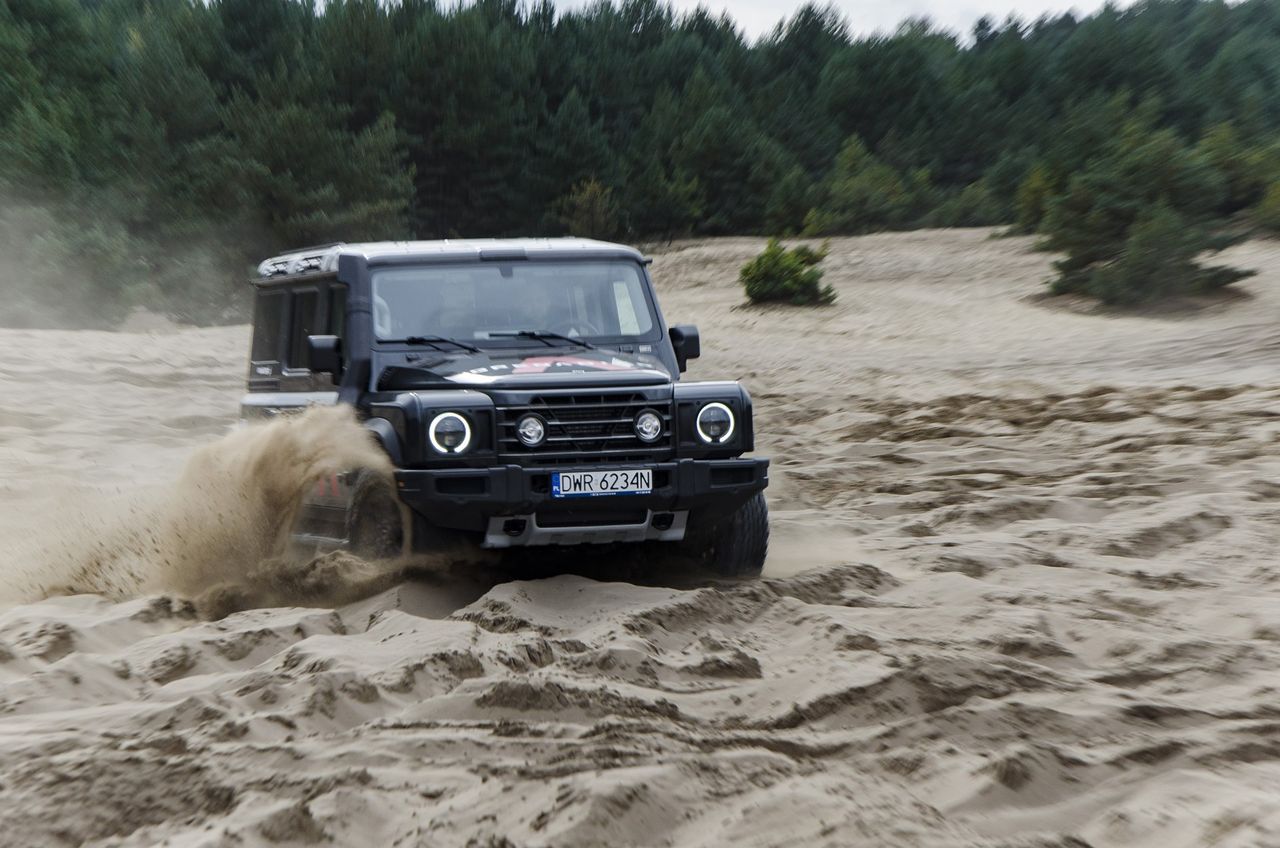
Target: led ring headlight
{"points": [[531, 430], [648, 426], [715, 424], [449, 433]]}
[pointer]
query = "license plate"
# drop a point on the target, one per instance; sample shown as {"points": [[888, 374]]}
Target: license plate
{"points": [[593, 484]]}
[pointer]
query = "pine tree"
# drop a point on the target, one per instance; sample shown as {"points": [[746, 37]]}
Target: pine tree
{"points": [[1133, 223]]}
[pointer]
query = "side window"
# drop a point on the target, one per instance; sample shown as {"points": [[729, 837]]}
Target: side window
{"points": [[267, 320], [306, 304]]}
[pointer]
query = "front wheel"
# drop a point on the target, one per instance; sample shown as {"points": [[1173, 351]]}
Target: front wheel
{"points": [[376, 527], [737, 545]]}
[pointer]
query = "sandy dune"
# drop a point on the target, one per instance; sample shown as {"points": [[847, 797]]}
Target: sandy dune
{"points": [[1024, 592]]}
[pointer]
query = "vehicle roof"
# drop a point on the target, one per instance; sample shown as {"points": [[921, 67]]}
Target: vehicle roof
{"points": [[324, 258]]}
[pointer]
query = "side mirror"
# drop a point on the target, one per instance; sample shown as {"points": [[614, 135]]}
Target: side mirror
{"points": [[325, 355], [684, 338]]}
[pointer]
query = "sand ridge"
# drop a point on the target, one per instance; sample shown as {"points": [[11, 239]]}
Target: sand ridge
{"points": [[1023, 593]]}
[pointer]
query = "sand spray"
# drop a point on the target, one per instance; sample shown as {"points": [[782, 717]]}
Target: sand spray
{"points": [[218, 534]]}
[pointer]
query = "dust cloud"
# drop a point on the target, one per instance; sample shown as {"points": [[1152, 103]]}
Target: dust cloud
{"points": [[218, 533]]}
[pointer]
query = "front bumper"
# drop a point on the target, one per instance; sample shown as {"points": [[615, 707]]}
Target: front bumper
{"points": [[493, 501]]}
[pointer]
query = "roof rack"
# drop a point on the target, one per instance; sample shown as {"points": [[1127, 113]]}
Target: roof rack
{"points": [[310, 248], [298, 260], [324, 258]]}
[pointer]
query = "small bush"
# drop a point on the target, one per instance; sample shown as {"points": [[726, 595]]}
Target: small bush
{"points": [[1135, 222], [808, 255], [972, 206], [1267, 213], [1158, 261], [1032, 199], [589, 211], [789, 202], [863, 194], [789, 276]]}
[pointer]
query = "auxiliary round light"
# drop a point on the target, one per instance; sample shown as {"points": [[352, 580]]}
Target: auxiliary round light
{"points": [[449, 433], [531, 430], [715, 423], [648, 426]]}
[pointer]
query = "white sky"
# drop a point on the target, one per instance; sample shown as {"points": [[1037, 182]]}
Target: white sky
{"points": [[757, 17]]}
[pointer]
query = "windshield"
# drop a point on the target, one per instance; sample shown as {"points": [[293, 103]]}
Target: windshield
{"points": [[484, 303]]}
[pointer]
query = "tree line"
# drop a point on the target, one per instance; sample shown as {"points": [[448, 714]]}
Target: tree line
{"points": [[151, 150]]}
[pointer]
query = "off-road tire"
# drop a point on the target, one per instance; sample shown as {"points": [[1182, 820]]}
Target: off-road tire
{"points": [[734, 547], [375, 520]]}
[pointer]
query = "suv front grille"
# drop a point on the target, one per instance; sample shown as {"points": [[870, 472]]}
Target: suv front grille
{"points": [[586, 428]]}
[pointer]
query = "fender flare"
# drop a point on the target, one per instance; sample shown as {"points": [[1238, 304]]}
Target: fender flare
{"points": [[385, 432]]}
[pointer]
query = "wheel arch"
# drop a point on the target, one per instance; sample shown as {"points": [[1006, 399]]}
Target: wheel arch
{"points": [[385, 432]]}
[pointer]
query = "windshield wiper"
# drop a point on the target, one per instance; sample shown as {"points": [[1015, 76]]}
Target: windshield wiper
{"points": [[542, 336], [434, 340]]}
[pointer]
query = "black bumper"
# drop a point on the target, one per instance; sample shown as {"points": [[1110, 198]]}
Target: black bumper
{"points": [[466, 498]]}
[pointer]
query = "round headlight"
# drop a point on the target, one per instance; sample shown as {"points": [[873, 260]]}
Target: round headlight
{"points": [[649, 426], [715, 423], [449, 433], [531, 431]]}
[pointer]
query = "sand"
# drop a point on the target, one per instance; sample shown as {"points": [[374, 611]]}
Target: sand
{"points": [[1023, 592]]}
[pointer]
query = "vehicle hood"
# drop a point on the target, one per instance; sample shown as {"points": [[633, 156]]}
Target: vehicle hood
{"points": [[515, 369]]}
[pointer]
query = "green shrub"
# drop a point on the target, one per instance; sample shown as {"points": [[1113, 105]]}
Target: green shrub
{"points": [[1032, 198], [1267, 212], [1246, 169], [808, 255], [788, 203], [972, 206], [1133, 223], [1158, 261], [863, 194], [789, 276], [589, 211]]}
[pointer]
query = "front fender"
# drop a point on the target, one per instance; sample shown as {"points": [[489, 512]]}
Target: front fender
{"points": [[387, 436], [408, 414]]}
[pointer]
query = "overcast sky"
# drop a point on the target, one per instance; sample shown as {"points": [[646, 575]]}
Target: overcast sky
{"points": [[757, 17]]}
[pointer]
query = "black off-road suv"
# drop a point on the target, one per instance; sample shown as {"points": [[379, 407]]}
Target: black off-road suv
{"points": [[527, 392]]}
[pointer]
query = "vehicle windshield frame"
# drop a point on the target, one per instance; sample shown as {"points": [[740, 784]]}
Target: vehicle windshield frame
{"points": [[653, 336]]}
